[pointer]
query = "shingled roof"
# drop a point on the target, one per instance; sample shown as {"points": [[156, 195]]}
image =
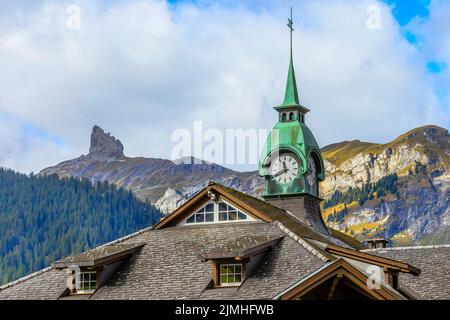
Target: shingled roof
{"points": [[170, 261], [169, 266], [269, 213], [434, 263]]}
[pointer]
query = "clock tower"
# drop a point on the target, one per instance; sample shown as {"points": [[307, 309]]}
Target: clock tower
{"points": [[291, 161]]}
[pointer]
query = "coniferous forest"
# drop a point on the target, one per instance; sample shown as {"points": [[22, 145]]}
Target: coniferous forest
{"points": [[43, 219]]}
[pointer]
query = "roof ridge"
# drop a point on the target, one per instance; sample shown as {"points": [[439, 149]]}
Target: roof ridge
{"points": [[23, 279], [245, 194], [301, 241], [129, 236], [436, 246]]}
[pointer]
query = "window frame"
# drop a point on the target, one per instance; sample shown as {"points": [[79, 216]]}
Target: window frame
{"points": [[81, 281], [234, 274], [216, 214]]}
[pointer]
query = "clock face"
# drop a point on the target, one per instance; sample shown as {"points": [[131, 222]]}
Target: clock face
{"points": [[284, 169], [312, 173]]}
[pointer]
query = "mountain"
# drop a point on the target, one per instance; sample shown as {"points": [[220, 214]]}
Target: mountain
{"points": [[399, 190], [44, 218], [148, 178]]}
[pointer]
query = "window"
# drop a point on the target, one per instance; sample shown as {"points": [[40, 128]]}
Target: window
{"points": [[205, 214], [216, 212], [87, 282], [291, 116], [230, 274], [301, 117], [283, 117], [229, 213]]}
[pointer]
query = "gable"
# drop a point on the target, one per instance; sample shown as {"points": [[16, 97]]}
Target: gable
{"points": [[331, 274], [211, 194]]}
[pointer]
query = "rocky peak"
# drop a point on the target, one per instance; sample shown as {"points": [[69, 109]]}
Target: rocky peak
{"points": [[171, 200], [104, 146], [431, 134]]}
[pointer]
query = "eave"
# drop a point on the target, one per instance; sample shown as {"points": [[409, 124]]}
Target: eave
{"points": [[85, 261], [339, 268], [371, 259]]}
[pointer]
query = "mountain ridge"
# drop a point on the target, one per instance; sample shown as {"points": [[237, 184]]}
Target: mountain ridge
{"points": [[417, 162]]}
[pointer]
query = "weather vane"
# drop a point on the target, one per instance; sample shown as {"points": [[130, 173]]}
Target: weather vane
{"points": [[290, 22], [290, 25]]}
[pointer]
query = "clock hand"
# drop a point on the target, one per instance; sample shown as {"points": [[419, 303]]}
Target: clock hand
{"points": [[279, 173]]}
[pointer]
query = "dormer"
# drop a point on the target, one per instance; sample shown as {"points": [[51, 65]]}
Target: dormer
{"points": [[234, 261], [88, 271]]}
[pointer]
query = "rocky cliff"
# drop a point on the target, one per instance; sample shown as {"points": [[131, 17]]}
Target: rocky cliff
{"points": [[399, 190], [413, 205]]}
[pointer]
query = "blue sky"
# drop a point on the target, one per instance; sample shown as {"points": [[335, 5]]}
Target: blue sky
{"points": [[406, 10], [144, 68]]}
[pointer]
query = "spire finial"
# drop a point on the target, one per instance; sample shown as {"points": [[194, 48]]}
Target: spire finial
{"points": [[290, 25], [291, 94]]}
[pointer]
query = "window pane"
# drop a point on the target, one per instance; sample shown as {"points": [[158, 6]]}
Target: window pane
{"points": [[209, 217], [232, 215], [223, 279], [191, 219], [223, 269], [202, 209], [209, 207], [223, 216], [199, 217], [242, 216], [237, 278], [231, 278], [222, 206], [237, 269]]}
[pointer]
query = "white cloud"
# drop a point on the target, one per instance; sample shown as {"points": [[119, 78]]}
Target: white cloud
{"points": [[142, 69]]}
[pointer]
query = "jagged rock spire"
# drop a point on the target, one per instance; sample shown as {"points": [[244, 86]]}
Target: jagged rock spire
{"points": [[105, 146]]}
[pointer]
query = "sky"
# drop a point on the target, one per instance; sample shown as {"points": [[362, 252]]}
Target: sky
{"points": [[367, 70]]}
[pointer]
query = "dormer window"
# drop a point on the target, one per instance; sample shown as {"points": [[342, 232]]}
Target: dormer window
{"points": [[87, 282], [217, 212], [233, 261], [89, 270], [230, 274]]}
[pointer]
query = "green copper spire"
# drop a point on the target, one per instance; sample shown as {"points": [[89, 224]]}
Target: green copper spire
{"points": [[291, 94]]}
